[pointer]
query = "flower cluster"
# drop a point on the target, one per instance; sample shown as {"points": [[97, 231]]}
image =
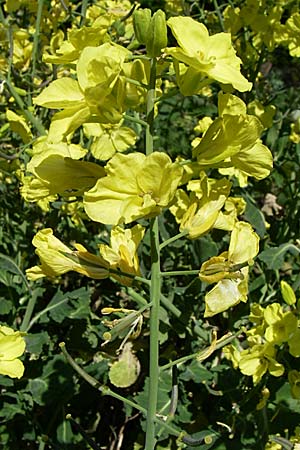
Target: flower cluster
{"points": [[274, 326]]}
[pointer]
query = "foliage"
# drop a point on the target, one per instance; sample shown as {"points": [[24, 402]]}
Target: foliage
{"points": [[139, 166]]}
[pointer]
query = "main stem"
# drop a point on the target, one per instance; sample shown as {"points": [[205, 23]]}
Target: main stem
{"points": [[155, 284]]}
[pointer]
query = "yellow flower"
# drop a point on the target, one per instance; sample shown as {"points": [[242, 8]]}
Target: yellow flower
{"points": [[56, 259], [264, 113], [293, 30], [122, 252], [233, 141], [229, 270], [233, 207], [109, 139], [91, 98], [12, 345], [136, 186], [198, 212], [211, 56], [281, 325], [259, 359], [65, 51], [231, 353], [57, 171]]}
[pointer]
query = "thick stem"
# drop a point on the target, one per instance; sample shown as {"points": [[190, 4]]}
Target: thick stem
{"points": [[155, 282], [154, 333], [150, 108]]}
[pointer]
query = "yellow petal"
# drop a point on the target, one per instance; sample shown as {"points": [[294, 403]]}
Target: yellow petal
{"points": [[244, 243], [224, 295], [197, 37], [61, 93], [13, 369]]}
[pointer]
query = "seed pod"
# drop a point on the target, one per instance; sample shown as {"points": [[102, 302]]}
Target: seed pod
{"points": [[141, 23], [157, 34]]}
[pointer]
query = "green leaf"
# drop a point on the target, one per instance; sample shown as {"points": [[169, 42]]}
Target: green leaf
{"points": [[6, 381], [9, 410], [274, 257], [72, 305], [35, 342], [164, 394], [5, 306], [284, 398], [255, 217], [38, 387], [9, 264], [196, 372], [59, 308], [55, 384], [64, 432]]}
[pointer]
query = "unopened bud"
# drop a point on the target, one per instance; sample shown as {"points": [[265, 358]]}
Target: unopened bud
{"points": [[157, 38], [141, 24]]}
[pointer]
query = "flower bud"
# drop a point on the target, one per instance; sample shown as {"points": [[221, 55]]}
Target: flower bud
{"points": [[157, 36], [287, 293], [141, 24]]}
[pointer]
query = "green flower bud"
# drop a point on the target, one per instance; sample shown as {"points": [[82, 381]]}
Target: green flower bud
{"points": [[157, 35], [141, 24]]}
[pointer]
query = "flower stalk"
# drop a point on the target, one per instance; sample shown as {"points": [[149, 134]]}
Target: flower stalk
{"points": [[155, 283]]}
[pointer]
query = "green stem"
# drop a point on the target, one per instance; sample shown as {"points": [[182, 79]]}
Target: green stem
{"points": [[136, 83], [137, 297], [36, 36], [155, 287], [199, 355], [174, 238], [42, 445], [28, 313], [29, 323], [217, 9], [285, 443], [84, 6], [168, 305], [150, 107], [179, 272], [154, 333], [135, 120], [130, 275]]}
